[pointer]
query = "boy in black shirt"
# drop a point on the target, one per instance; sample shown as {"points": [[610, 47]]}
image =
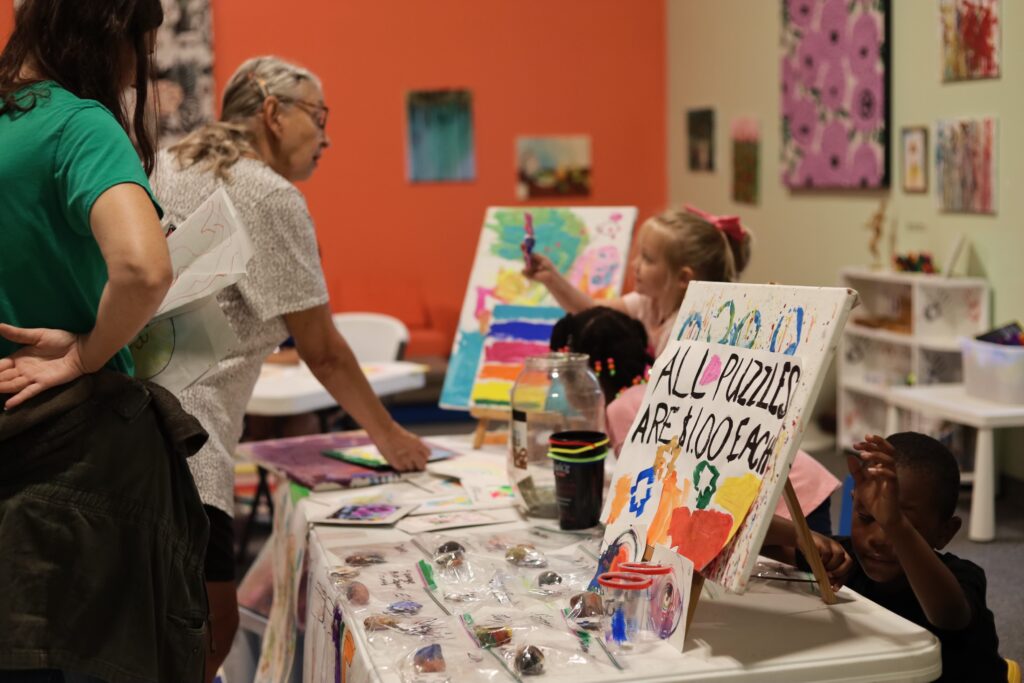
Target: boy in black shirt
{"points": [[905, 497]]}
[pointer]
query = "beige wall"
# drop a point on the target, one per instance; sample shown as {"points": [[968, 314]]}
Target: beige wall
{"points": [[725, 54]]}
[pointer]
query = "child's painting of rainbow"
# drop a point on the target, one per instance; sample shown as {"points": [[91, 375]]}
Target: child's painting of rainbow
{"points": [[589, 245], [708, 455], [516, 333]]}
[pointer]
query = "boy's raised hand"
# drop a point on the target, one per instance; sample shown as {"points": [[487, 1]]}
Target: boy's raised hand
{"points": [[874, 476]]}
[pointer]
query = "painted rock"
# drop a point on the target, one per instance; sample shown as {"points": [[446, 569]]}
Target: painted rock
{"points": [[429, 659], [449, 547], [586, 604], [379, 622], [404, 607], [493, 636], [525, 556], [357, 593], [530, 660], [549, 579], [343, 574], [365, 559], [450, 555]]}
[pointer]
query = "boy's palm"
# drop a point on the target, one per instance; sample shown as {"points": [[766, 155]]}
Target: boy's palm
{"points": [[874, 476]]}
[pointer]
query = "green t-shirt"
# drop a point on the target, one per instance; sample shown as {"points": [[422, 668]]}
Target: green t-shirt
{"points": [[55, 161]]}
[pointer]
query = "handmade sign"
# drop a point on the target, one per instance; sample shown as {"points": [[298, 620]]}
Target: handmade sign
{"points": [[709, 452], [589, 245]]}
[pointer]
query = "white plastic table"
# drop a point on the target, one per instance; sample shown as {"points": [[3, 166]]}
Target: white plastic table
{"points": [[293, 390], [773, 633], [952, 402]]}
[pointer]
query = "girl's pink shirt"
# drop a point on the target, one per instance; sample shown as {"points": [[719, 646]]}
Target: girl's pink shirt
{"points": [[811, 481]]}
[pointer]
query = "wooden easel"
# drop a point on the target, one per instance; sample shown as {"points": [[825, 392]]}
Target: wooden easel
{"points": [[485, 417], [804, 541]]}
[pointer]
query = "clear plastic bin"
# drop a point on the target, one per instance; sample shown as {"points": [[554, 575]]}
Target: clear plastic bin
{"points": [[993, 372]]}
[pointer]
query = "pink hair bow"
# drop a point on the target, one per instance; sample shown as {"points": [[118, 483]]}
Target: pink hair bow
{"points": [[730, 225]]}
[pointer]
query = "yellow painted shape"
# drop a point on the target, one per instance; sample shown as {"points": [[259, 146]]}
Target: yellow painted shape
{"points": [[622, 487], [492, 391], [735, 495]]}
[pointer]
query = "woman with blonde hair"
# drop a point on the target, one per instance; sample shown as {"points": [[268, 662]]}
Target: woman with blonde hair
{"points": [[271, 134]]}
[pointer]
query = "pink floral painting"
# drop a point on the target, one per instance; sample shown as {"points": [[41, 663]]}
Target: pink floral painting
{"points": [[835, 110]]}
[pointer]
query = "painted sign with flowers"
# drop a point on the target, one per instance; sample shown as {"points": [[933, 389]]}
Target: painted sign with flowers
{"points": [[835, 109]]}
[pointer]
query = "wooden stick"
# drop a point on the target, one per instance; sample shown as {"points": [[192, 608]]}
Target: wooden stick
{"points": [[695, 590], [806, 543], [479, 434]]}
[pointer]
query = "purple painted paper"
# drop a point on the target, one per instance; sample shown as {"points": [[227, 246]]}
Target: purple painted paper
{"points": [[301, 458], [834, 109]]}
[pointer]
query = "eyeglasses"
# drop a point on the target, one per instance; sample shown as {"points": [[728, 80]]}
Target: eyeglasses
{"points": [[318, 112]]}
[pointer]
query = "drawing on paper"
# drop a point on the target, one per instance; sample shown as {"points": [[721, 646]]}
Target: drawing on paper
{"points": [[835, 109], [970, 39], [515, 334], [746, 160], [553, 166], [705, 460], [589, 245], [153, 349], [915, 158], [965, 165], [439, 142]]}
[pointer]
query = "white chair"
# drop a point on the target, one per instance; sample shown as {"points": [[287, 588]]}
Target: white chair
{"points": [[374, 337]]}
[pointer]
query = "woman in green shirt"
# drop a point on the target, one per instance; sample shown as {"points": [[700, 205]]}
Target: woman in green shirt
{"points": [[101, 530]]}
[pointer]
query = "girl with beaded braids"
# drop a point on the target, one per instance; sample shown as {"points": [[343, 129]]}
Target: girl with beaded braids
{"points": [[271, 134]]}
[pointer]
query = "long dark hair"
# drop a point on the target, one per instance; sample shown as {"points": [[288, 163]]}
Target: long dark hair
{"points": [[80, 44]]}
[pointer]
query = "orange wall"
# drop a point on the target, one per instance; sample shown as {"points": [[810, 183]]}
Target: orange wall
{"points": [[534, 67]]}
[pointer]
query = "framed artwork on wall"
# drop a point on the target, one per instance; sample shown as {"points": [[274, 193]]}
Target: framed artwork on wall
{"points": [[746, 155], [914, 168], [835, 93], [557, 166], [970, 39], [700, 138], [439, 136], [183, 61], [965, 165]]}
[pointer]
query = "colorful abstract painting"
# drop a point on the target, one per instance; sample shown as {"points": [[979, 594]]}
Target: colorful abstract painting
{"points": [[589, 245], [746, 160], [706, 459], [970, 39], [439, 144], [184, 68], [965, 165], [515, 334], [553, 167], [835, 109], [700, 139]]}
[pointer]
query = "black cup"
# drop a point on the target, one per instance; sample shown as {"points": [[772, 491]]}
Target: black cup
{"points": [[578, 461]]}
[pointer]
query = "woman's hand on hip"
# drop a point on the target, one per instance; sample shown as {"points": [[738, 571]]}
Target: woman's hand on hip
{"points": [[47, 358], [403, 451]]}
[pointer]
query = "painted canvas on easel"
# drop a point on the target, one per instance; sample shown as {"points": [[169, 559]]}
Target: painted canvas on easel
{"points": [[965, 165], [970, 39], [553, 167], [184, 68], [707, 456], [439, 143], [515, 334], [589, 245], [835, 108]]}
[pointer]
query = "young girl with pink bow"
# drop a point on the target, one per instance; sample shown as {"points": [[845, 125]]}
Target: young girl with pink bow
{"points": [[673, 249]]}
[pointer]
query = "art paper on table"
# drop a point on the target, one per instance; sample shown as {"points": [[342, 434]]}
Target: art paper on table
{"points": [[515, 334], [183, 62], [439, 142], [706, 459], [553, 167], [589, 245], [915, 158], [835, 104], [970, 39], [456, 520], [370, 456], [700, 136], [471, 497], [475, 467], [670, 604], [746, 160], [965, 165], [301, 459], [366, 514]]}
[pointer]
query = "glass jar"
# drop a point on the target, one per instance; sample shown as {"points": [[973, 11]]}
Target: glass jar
{"points": [[556, 392]]}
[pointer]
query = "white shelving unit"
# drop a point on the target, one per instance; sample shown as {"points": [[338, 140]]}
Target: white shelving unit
{"points": [[906, 331]]}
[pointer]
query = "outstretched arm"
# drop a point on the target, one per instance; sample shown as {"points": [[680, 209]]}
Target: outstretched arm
{"points": [[542, 270], [332, 362]]}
